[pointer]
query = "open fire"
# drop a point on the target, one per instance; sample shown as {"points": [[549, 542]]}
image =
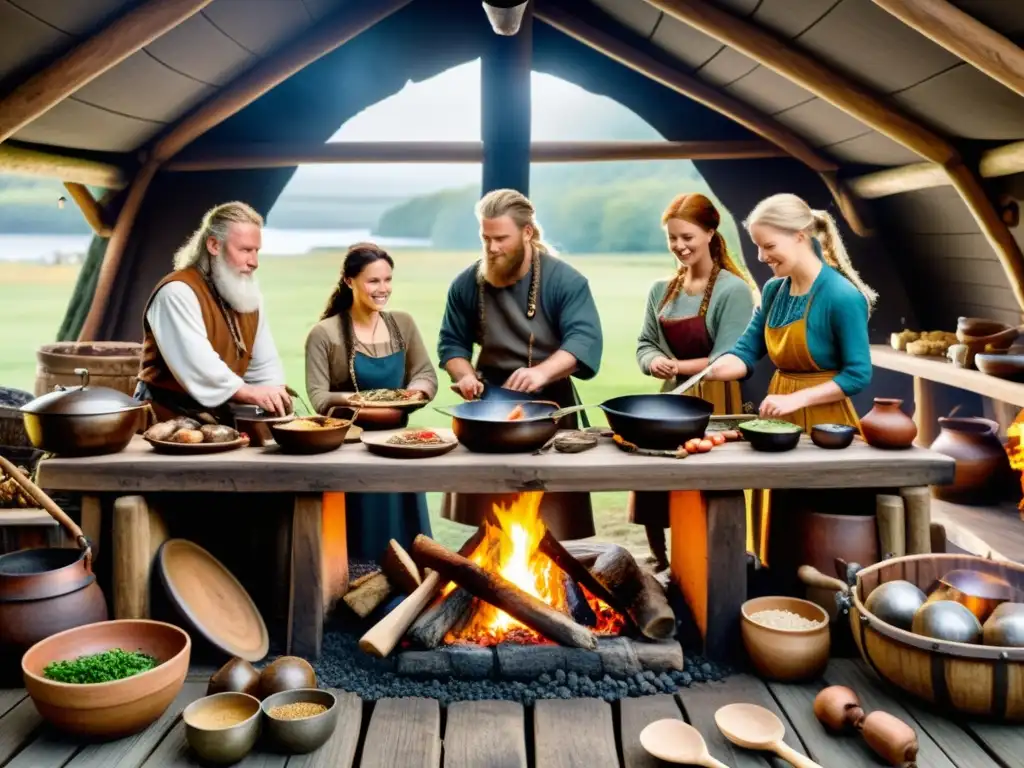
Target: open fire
{"points": [[511, 548], [1015, 451]]}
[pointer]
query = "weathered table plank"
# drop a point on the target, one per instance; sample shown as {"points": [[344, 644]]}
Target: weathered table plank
{"points": [[9, 697], [634, 716], [574, 733], [405, 732], [340, 749], [733, 466], [49, 748], [485, 733], [700, 702], [873, 696], [16, 727]]}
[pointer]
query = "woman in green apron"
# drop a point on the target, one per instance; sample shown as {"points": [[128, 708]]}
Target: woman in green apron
{"points": [[358, 346], [813, 323], [692, 318]]}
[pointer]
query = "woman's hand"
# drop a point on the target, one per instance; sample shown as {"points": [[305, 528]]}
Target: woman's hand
{"points": [[781, 405], [418, 393], [663, 368]]}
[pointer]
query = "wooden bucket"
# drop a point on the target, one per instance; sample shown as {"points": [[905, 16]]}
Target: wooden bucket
{"points": [[963, 678], [113, 364]]}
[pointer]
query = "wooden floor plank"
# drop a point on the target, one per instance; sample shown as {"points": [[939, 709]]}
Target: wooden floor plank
{"points": [[1005, 741], [485, 733], [17, 727], [49, 749], [133, 751], [637, 714], [700, 702], [403, 732], [956, 742], [340, 749], [873, 695], [574, 733], [9, 697], [848, 749]]}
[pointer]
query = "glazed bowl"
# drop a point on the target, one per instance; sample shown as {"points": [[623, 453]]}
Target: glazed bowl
{"points": [[306, 734], [761, 440], [117, 708], [223, 728], [1001, 365], [832, 435], [782, 653]]}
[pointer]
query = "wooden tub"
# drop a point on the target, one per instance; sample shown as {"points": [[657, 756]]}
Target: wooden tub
{"points": [[977, 680]]}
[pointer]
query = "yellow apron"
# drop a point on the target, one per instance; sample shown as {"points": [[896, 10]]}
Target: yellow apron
{"points": [[795, 371]]}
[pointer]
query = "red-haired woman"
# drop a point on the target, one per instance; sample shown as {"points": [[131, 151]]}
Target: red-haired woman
{"points": [[692, 318]]}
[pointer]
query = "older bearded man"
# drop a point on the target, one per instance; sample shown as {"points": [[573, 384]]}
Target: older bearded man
{"points": [[207, 342], [536, 322]]}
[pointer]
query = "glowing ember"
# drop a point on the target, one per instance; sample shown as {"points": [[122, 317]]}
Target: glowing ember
{"points": [[511, 549], [1015, 451]]}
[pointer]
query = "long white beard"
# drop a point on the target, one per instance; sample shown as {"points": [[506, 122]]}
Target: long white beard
{"points": [[241, 292]]}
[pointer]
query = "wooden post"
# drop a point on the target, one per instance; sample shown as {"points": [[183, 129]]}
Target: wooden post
{"points": [[917, 515], [924, 412], [138, 533], [306, 604], [505, 108], [92, 522], [892, 535], [709, 564]]}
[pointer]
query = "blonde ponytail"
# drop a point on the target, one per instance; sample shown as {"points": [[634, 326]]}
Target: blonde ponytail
{"points": [[834, 252]]}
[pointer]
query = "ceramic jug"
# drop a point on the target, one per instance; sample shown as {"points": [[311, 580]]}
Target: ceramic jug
{"points": [[982, 466], [887, 426]]}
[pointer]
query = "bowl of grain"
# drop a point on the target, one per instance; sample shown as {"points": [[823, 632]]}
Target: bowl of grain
{"points": [[222, 728], [300, 720], [786, 638]]}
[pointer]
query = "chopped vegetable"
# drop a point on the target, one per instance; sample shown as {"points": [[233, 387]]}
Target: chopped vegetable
{"points": [[114, 664], [516, 414], [770, 425]]}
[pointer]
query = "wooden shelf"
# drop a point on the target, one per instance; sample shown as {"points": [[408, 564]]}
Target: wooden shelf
{"points": [[942, 371], [22, 516], [995, 530]]}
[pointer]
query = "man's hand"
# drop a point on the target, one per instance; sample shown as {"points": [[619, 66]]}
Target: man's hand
{"points": [[272, 399], [470, 387], [527, 380], [663, 368], [781, 405]]}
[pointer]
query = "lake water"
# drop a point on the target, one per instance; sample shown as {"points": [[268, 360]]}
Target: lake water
{"points": [[276, 242]]}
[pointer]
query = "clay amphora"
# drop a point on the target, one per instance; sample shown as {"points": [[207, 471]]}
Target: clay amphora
{"points": [[887, 426]]}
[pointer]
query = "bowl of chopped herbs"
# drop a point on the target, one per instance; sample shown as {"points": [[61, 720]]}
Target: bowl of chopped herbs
{"points": [[109, 679]]}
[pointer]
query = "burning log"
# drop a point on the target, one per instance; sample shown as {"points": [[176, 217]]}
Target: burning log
{"points": [[638, 590], [551, 547], [400, 568], [367, 592], [502, 594], [576, 603], [435, 622], [586, 552]]}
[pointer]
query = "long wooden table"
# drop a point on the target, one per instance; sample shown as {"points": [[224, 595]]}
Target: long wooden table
{"points": [[707, 509]]}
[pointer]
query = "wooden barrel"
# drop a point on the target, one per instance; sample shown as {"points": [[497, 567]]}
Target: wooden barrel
{"points": [[113, 364], [960, 678]]}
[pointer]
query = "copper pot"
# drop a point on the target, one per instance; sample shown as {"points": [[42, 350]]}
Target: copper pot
{"points": [[982, 466], [84, 420], [45, 591]]}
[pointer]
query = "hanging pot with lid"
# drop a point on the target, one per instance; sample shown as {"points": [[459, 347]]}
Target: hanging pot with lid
{"points": [[83, 420]]}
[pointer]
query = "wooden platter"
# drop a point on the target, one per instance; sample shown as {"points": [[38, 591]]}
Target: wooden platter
{"points": [[185, 449], [212, 600], [377, 442]]}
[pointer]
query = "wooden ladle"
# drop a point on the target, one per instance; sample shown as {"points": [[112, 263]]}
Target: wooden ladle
{"points": [[674, 741], [754, 727]]}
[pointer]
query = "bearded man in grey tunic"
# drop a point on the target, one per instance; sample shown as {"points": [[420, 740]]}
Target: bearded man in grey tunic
{"points": [[534, 319]]}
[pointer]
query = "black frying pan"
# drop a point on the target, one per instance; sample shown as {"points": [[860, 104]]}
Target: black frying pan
{"points": [[483, 426], [657, 421]]}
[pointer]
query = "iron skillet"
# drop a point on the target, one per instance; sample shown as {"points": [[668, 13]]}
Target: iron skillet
{"points": [[483, 426], [657, 421]]}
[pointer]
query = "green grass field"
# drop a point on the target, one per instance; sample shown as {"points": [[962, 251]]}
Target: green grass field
{"points": [[33, 298]]}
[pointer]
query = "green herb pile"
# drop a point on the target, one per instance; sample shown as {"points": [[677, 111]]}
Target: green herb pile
{"points": [[114, 664]]}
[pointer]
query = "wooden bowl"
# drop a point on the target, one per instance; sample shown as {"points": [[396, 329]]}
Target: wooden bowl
{"points": [[779, 653], [118, 708], [1001, 365], [962, 679], [310, 441], [223, 728]]}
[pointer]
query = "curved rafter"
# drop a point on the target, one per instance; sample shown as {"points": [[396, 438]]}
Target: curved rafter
{"points": [[860, 102]]}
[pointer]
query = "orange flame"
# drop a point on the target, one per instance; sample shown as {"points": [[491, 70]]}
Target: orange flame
{"points": [[512, 550], [1015, 451]]}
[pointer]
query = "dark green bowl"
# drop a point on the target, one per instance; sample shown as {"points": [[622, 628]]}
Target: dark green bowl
{"points": [[761, 440]]}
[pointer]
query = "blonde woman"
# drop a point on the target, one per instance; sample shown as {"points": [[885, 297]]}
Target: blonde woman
{"points": [[692, 318], [813, 322]]}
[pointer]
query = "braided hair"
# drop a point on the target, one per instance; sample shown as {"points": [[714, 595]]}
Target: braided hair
{"points": [[358, 257], [698, 210]]}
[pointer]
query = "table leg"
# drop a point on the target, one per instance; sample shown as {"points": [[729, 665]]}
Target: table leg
{"points": [[708, 563], [92, 522], [306, 598], [924, 412], [137, 533]]}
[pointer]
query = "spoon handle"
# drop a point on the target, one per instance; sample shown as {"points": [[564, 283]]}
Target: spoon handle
{"points": [[790, 755], [711, 762]]}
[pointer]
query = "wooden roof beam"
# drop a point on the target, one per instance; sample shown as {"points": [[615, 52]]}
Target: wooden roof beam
{"points": [[19, 161], [964, 36], [288, 155], [90, 208], [786, 59], [736, 110], [91, 58]]}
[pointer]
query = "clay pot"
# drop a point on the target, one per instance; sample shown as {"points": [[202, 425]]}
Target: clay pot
{"points": [[887, 426], [982, 466]]}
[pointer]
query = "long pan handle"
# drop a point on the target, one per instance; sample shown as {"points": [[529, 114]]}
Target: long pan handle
{"points": [[561, 412]]}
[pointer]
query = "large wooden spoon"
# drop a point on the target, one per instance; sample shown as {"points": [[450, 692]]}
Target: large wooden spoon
{"points": [[754, 727], [677, 742]]}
